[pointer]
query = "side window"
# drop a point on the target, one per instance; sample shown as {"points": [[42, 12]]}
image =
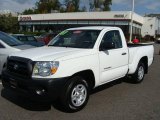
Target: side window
{"points": [[112, 37], [117, 39], [31, 38], [23, 38], [1, 46]]}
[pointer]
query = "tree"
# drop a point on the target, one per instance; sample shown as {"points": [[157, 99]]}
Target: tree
{"points": [[8, 23], [72, 5], [106, 5], [103, 5], [44, 6], [41, 7], [76, 4], [28, 11], [53, 5], [91, 5], [97, 3], [84, 9]]}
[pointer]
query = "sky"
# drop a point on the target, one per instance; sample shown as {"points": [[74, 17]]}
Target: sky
{"points": [[141, 6]]}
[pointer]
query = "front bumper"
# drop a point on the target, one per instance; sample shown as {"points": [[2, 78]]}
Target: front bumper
{"points": [[36, 89]]}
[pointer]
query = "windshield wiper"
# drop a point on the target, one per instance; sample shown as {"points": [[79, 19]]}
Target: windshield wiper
{"points": [[61, 46]]}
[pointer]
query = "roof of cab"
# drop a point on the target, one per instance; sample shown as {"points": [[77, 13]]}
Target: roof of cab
{"points": [[93, 28]]}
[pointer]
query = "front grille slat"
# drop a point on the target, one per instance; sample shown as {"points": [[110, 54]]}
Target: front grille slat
{"points": [[19, 66]]}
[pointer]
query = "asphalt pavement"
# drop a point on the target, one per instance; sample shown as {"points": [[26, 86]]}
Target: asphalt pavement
{"points": [[119, 100]]}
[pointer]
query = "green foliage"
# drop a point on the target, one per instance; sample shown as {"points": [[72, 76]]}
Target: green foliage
{"points": [[106, 5], [72, 5], [76, 4], [103, 5], [8, 23], [83, 9], [43, 6], [96, 3], [29, 11], [47, 6]]}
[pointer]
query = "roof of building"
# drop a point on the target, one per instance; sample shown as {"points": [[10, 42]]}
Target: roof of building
{"points": [[107, 15], [153, 15]]}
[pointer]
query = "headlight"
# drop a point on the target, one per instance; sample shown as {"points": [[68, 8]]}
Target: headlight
{"points": [[45, 68]]}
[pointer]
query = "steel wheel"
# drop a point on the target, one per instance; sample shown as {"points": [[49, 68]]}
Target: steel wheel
{"points": [[140, 73], [78, 95], [75, 95], [138, 76]]}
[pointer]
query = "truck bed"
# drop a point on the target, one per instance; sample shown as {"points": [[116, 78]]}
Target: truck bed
{"points": [[137, 51]]}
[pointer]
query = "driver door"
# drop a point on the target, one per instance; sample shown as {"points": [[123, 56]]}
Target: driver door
{"points": [[113, 61]]}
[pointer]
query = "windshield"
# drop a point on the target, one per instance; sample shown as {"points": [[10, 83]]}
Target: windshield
{"points": [[76, 39], [9, 39]]}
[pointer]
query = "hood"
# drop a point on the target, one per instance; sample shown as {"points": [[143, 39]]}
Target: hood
{"points": [[24, 47], [52, 53]]}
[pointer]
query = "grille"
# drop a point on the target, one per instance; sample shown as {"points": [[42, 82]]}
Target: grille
{"points": [[19, 66]]}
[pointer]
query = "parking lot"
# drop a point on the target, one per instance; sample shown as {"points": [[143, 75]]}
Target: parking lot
{"points": [[119, 100]]}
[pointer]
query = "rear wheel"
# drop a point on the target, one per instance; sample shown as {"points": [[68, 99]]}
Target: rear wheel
{"points": [[75, 95], [138, 76]]}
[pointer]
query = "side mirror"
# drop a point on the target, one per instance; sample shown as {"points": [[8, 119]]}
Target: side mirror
{"points": [[107, 46]]}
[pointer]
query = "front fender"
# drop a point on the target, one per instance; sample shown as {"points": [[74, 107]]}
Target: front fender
{"points": [[73, 66]]}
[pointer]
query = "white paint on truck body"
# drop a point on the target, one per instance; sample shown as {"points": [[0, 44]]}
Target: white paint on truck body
{"points": [[106, 65]]}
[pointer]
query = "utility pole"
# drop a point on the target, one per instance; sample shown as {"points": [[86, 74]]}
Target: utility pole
{"points": [[131, 26]]}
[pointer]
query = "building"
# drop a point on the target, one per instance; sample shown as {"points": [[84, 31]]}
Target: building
{"points": [[151, 25], [61, 21]]}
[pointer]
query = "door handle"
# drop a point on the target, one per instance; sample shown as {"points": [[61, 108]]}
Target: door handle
{"points": [[124, 53]]}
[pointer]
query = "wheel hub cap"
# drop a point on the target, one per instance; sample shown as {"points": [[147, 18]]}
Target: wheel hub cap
{"points": [[78, 95], [140, 73]]}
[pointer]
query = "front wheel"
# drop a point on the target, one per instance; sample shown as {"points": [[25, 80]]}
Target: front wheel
{"points": [[75, 95], [138, 76]]}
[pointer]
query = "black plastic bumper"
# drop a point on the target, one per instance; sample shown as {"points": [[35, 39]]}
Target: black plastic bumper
{"points": [[36, 89]]}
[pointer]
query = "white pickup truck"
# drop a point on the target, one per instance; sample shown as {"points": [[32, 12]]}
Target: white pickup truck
{"points": [[75, 62]]}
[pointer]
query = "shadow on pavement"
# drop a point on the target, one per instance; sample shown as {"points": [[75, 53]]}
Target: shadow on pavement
{"points": [[23, 102], [28, 104], [107, 85]]}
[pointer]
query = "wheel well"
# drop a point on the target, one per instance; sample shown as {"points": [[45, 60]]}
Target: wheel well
{"points": [[88, 76], [144, 60]]}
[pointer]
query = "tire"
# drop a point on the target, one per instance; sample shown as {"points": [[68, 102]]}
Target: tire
{"points": [[138, 76], [75, 95]]}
